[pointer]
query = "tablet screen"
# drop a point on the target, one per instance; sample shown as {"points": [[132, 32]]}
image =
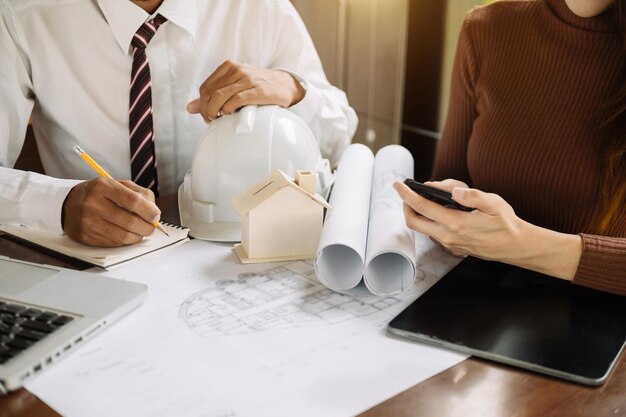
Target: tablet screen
{"points": [[522, 318]]}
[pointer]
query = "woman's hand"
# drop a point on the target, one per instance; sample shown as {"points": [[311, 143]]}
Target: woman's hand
{"points": [[492, 231]]}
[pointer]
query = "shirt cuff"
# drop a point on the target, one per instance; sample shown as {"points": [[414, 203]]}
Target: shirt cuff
{"points": [[43, 203], [308, 107]]}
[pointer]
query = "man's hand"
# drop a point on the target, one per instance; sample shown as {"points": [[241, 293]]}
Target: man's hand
{"points": [[235, 85], [107, 213]]}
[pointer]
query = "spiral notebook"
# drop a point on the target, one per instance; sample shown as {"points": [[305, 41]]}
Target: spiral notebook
{"points": [[106, 258]]}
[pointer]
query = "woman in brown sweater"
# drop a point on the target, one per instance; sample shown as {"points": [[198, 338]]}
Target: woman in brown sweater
{"points": [[537, 129]]}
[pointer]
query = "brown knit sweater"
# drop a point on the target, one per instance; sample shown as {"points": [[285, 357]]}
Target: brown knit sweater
{"points": [[528, 82]]}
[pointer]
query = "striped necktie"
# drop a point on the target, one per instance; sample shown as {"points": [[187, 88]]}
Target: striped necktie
{"points": [[143, 162]]}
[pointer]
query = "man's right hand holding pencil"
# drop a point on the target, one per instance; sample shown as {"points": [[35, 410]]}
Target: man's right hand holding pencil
{"points": [[108, 213]]}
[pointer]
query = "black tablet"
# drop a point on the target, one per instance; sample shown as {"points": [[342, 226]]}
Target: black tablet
{"points": [[521, 318]]}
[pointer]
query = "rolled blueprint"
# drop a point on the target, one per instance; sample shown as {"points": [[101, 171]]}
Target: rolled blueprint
{"points": [[390, 256], [341, 252], [365, 235]]}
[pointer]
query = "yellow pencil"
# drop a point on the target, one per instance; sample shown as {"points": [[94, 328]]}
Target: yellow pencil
{"points": [[93, 164]]}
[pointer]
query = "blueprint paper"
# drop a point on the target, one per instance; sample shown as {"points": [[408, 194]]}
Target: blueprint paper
{"points": [[218, 339], [390, 261], [341, 252], [365, 235]]}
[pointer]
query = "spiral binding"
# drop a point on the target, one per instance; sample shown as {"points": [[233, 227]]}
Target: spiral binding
{"points": [[175, 226]]}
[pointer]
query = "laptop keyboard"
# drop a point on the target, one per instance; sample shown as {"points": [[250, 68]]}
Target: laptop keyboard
{"points": [[22, 327]]}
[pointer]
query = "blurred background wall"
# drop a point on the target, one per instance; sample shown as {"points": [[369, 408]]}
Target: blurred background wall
{"points": [[393, 58]]}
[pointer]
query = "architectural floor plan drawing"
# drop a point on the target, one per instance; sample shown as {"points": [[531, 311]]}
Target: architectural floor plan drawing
{"points": [[219, 339], [382, 186], [282, 297]]}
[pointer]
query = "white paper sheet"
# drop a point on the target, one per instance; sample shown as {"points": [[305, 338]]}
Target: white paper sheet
{"points": [[218, 339], [365, 235]]}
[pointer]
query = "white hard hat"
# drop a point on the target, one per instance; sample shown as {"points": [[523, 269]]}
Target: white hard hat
{"points": [[236, 152]]}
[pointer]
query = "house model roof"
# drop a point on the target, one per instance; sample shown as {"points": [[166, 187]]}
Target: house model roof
{"points": [[267, 187]]}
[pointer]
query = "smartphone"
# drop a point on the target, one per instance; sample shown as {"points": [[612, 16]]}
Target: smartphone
{"points": [[435, 194]]}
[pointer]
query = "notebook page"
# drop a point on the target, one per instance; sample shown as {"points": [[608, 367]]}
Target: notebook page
{"points": [[103, 257]]}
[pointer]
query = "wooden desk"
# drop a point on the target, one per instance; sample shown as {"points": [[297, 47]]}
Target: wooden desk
{"points": [[473, 388]]}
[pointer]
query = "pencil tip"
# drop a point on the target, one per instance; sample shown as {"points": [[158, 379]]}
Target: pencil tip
{"points": [[157, 225]]}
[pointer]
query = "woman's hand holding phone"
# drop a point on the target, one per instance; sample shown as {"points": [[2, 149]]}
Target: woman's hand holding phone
{"points": [[438, 195], [491, 230]]}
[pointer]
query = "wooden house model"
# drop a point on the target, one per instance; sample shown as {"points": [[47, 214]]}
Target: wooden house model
{"points": [[281, 218]]}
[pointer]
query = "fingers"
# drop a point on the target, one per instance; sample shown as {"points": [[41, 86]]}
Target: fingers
{"points": [[245, 98], [485, 202], [228, 72], [147, 194], [104, 212], [125, 220], [233, 85], [447, 184], [194, 106], [418, 222], [490, 232], [212, 93], [424, 216], [437, 232], [445, 236], [132, 201], [216, 80], [470, 197], [108, 235], [212, 107], [423, 206]]}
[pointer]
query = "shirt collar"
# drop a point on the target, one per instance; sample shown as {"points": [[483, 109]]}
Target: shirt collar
{"points": [[124, 17]]}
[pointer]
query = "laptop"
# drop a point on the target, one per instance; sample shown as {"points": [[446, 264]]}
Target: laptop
{"points": [[521, 318], [46, 311]]}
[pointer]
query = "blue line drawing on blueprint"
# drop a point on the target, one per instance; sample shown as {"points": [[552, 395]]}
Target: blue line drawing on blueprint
{"points": [[383, 194], [283, 297]]}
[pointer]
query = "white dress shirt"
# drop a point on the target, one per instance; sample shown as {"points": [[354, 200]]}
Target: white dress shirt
{"points": [[68, 63]]}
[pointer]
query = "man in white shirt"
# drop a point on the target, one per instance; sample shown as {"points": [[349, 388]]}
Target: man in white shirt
{"points": [[67, 65]]}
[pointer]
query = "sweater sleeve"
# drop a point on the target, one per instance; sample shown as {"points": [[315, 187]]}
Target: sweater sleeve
{"points": [[451, 159], [602, 265]]}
